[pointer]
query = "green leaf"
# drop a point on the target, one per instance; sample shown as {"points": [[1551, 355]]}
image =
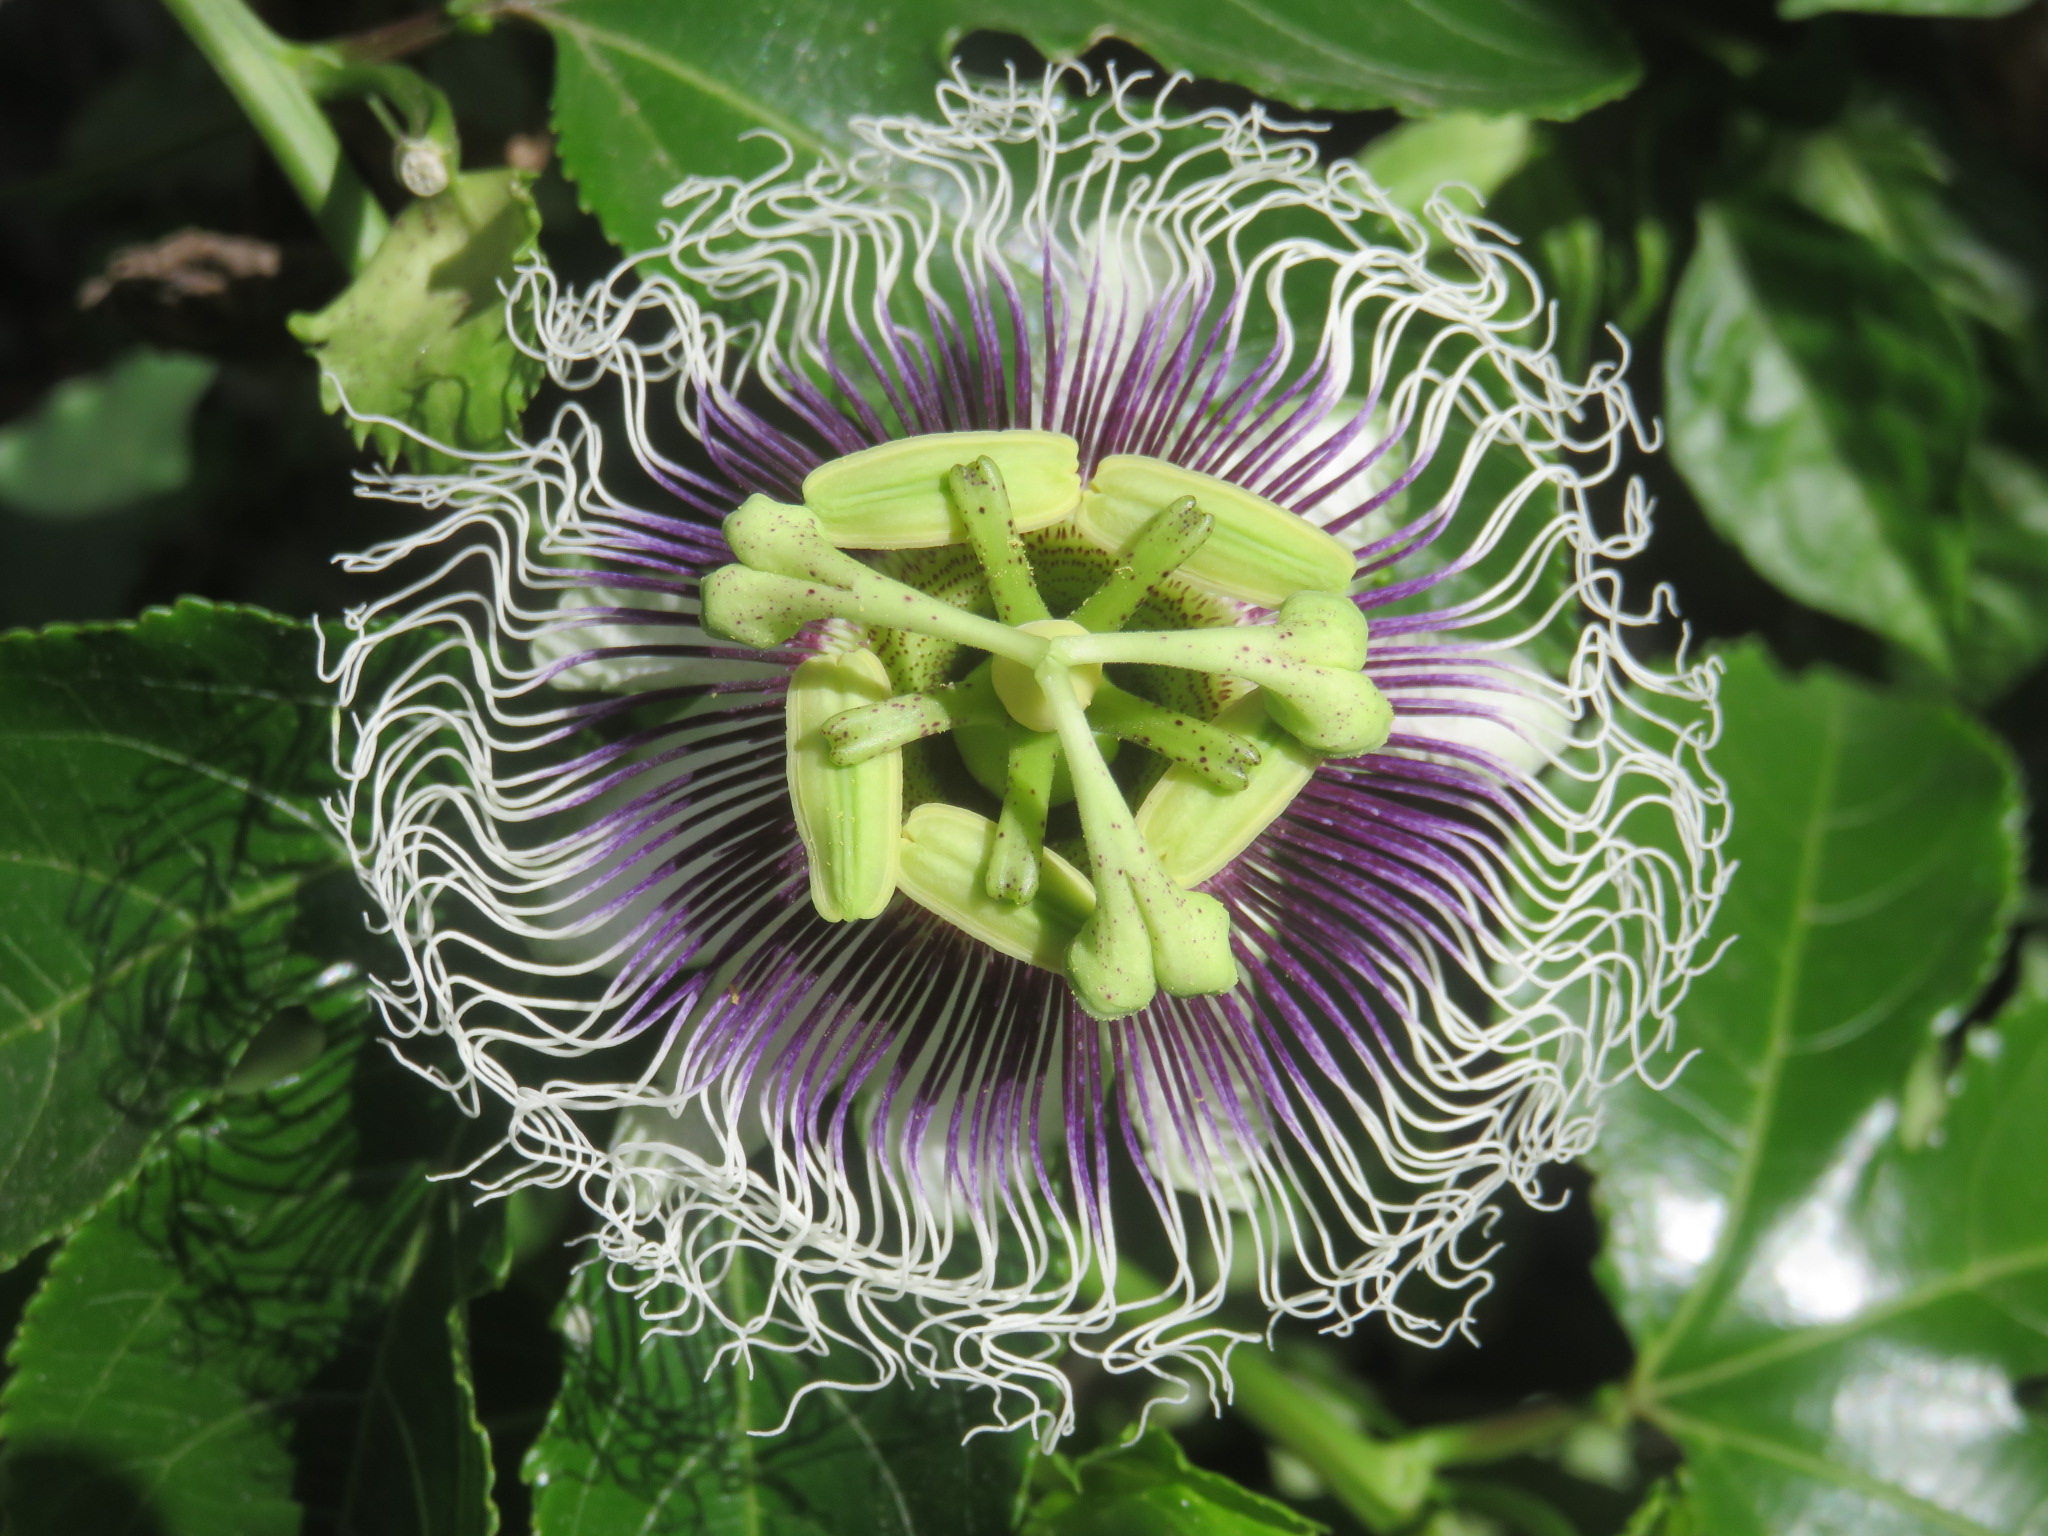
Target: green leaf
{"points": [[658, 1436], [1412, 161], [106, 441], [1881, 174], [422, 1463], [1830, 1324], [1148, 1488], [646, 95], [1798, 10], [200, 1334], [1821, 405], [165, 842], [420, 335], [2007, 631], [1668, 1511]]}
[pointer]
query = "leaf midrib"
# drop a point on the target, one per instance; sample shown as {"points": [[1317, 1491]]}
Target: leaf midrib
{"points": [[1819, 1469], [1973, 1277], [552, 14], [1733, 1237], [252, 901]]}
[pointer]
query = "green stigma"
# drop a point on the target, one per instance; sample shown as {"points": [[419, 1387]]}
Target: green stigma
{"points": [[1039, 704]]}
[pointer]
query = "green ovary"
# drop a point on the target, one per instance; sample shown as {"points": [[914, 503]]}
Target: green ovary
{"points": [[1019, 657]]}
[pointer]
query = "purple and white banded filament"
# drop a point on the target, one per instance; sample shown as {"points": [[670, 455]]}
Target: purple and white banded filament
{"points": [[602, 905]]}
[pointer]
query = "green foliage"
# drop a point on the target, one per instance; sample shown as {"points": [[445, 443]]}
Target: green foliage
{"points": [[167, 855], [1410, 162], [648, 95], [1822, 406], [422, 1463], [1879, 173], [1828, 1322], [233, 1313], [2008, 594], [1795, 10], [1148, 1488], [105, 441], [420, 335], [1827, 1237], [657, 1434]]}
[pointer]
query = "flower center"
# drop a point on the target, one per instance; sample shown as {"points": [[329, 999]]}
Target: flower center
{"points": [[1037, 717], [1022, 693]]}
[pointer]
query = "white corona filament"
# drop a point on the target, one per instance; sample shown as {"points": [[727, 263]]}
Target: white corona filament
{"points": [[528, 903]]}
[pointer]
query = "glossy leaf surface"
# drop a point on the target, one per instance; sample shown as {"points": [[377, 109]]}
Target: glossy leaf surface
{"points": [[1797, 1281], [653, 1436], [420, 335], [206, 1335], [1821, 405], [2007, 632], [1794, 10], [1148, 1488], [164, 845], [647, 95]]}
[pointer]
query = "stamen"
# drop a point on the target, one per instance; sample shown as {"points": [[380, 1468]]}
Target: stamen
{"points": [[945, 850], [895, 723], [847, 818], [1146, 932], [1213, 754], [894, 495], [1197, 829]]}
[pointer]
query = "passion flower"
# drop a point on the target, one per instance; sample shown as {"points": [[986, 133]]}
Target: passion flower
{"points": [[1092, 715]]}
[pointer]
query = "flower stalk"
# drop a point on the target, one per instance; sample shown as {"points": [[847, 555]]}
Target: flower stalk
{"points": [[280, 86]]}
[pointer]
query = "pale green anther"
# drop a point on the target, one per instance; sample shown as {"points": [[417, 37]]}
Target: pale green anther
{"points": [[1209, 751], [983, 504], [895, 723], [1259, 552], [1194, 828], [1326, 628], [759, 609], [893, 496], [1159, 549], [848, 818], [945, 856], [1020, 830], [1146, 933], [1340, 714]]}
